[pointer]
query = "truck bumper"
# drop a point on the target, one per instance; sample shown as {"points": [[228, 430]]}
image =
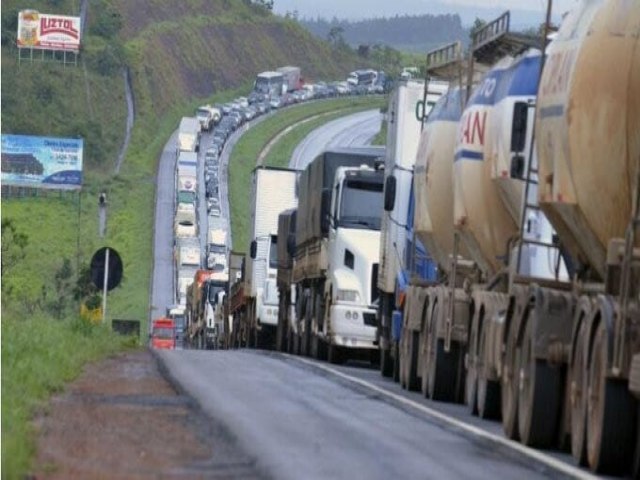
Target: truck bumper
{"points": [[268, 315], [353, 327]]}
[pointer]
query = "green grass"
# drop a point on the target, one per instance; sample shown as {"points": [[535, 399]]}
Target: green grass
{"points": [[381, 136], [246, 151], [36, 362]]}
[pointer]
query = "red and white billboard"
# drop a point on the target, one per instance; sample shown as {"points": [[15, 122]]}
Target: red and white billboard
{"points": [[48, 32]]}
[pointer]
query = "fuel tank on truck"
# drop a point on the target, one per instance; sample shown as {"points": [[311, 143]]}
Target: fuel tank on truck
{"points": [[588, 127], [433, 179], [487, 200]]}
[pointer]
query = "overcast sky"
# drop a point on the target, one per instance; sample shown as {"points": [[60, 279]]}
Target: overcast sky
{"points": [[524, 11]]}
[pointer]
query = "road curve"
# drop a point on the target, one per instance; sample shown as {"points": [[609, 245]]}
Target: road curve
{"points": [[354, 130]]}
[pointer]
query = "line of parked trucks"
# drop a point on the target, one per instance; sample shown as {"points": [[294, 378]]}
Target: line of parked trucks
{"points": [[490, 254]]}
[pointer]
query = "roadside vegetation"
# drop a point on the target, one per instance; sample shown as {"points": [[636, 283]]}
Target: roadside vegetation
{"points": [[246, 151], [381, 136], [179, 56]]}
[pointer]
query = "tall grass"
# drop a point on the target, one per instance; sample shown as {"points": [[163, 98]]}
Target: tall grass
{"points": [[40, 354]]}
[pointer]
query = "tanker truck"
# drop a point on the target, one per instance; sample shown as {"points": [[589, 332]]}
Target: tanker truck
{"points": [[403, 133], [461, 319], [588, 144], [336, 253]]}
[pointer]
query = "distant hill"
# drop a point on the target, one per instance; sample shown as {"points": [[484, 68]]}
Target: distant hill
{"points": [[415, 33]]}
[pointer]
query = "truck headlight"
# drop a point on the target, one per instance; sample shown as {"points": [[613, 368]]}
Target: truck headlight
{"points": [[347, 296]]}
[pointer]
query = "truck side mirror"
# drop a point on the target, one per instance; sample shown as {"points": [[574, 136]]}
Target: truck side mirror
{"points": [[519, 126], [253, 249], [390, 193], [291, 245], [326, 211]]}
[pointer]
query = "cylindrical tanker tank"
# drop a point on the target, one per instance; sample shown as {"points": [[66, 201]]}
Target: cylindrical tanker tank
{"points": [[433, 179], [487, 200], [588, 127]]}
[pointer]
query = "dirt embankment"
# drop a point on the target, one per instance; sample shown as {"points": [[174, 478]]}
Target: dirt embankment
{"points": [[122, 419]]}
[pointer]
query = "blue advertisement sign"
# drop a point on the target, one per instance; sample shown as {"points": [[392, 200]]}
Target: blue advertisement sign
{"points": [[42, 162]]}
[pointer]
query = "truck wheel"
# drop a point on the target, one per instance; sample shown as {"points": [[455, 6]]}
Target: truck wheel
{"points": [[509, 384], [578, 389], [412, 378], [488, 393], [336, 354], [471, 378], [539, 396], [611, 414], [442, 366], [443, 371], [424, 353], [386, 362], [396, 362]]}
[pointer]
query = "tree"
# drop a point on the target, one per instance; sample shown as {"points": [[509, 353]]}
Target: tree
{"points": [[335, 35], [477, 25]]}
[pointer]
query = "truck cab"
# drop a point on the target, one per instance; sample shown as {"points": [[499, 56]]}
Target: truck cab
{"points": [[163, 334], [177, 314], [353, 250], [267, 298]]}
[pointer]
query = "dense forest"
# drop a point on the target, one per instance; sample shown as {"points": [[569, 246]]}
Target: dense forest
{"points": [[415, 33]]}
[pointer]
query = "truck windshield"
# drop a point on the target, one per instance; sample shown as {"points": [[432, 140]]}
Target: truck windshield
{"points": [[202, 113], [179, 321], [273, 252], [361, 204], [163, 332]]}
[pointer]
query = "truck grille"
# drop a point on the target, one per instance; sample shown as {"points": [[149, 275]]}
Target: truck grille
{"points": [[369, 319], [374, 282]]}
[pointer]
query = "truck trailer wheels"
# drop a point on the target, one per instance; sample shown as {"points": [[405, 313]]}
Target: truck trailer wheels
{"points": [[386, 362], [409, 360], [578, 396], [611, 413], [509, 384], [539, 395]]}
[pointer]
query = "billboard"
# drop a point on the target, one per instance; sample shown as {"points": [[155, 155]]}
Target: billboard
{"points": [[48, 32], [42, 162]]}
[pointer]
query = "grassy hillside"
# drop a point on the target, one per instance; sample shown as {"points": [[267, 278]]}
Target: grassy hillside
{"points": [[179, 54]]}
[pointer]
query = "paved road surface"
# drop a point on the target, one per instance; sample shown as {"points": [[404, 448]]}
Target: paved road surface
{"points": [[300, 423]]}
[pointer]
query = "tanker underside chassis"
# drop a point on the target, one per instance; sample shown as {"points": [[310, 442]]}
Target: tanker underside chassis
{"points": [[240, 333], [433, 344]]}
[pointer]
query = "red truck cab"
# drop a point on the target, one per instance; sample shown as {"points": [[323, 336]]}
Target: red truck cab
{"points": [[163, 334]]}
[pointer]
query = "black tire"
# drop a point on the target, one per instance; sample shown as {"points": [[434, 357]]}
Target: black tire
{"points": [[578, 397], [443, 370], [540, 396], [396, 363], [413, 380], [509, 384], [386, 362], [488, 398], [471, 377], [335, 354], [424, 352], [611, 420]]}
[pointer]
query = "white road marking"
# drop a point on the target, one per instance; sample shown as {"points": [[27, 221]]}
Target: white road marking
{"points": [[478, 432]]}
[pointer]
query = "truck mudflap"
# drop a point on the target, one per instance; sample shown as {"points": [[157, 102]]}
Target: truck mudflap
{"points": [[634, 376], [353, 326]]}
